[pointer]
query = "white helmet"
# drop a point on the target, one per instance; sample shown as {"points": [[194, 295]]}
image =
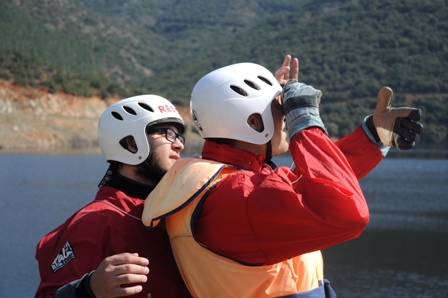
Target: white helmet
{"points": [[131, 117], [222, 101]]}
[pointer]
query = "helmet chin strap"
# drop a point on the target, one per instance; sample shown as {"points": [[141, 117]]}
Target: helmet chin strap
{"points": [[268, 152], [146, 164], [268, 158]]}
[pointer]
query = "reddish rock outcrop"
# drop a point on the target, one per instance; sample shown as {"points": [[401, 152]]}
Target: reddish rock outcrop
{"points": [[36, 119]]}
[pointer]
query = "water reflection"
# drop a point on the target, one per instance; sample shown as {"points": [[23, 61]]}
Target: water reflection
{"points": [[438, 152], [389, 263]]}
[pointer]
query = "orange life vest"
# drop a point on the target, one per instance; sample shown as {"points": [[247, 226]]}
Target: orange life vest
{"points": [[206, 273]]}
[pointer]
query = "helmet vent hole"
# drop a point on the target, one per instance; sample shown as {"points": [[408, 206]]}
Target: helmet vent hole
{"points": [[117, 116], [265, 80], [145, 106], [129, 110], [238, 90], [252, 85]]}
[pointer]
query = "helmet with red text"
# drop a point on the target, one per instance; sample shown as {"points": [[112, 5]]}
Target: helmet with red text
{"points": [[131, 117], [222, 101]]}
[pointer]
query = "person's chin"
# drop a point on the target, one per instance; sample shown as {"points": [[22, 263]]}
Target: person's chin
{"points": [[172, 161]]}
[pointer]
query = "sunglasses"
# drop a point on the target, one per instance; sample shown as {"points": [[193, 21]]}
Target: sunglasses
{"points": [[170, 134]]}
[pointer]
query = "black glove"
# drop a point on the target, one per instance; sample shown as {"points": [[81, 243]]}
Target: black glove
{"points": [[394, 127]]}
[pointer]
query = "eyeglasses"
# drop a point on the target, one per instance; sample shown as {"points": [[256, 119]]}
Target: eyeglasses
{"points": [[170, 134]]}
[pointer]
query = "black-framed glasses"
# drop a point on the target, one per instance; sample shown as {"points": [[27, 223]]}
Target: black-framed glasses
{"points": [[170, 134]]}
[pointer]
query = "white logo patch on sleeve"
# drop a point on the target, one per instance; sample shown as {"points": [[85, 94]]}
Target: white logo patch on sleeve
{"points": [[64, 256]]}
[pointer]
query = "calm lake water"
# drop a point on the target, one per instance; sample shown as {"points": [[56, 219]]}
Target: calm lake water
{"points": [[402, 253]]}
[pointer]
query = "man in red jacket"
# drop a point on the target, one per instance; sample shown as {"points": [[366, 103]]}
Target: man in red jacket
{"points": [[103, 250], [241, 228]]}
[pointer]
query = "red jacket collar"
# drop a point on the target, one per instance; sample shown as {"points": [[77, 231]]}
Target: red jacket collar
{"points": [[233, 156]]}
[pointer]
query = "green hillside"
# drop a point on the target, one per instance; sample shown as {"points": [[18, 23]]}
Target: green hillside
{"points": [[127, 42], [348, 49]]}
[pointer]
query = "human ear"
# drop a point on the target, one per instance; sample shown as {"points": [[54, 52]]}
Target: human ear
{"points": [[256, 122], [130, 144]]}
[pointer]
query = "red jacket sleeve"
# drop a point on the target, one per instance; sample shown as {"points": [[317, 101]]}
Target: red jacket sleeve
{"points": [[264, 218], [361, 153], [71, 250]]}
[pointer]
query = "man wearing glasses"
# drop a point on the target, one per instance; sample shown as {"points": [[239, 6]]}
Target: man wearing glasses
{"points": [[90, 255], [103, 250]]}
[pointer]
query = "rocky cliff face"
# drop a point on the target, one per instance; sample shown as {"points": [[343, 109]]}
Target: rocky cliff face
{"points": [[35, 119]]}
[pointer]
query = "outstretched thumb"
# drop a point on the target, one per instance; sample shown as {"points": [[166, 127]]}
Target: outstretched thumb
{"points": [[384, 99]]}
